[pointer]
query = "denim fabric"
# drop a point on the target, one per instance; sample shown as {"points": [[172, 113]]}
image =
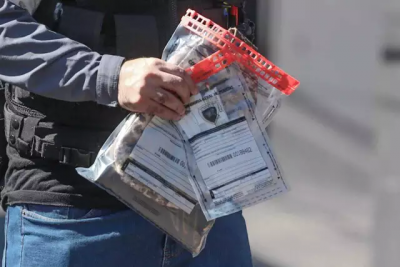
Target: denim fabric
{"points": [[61, 236]]}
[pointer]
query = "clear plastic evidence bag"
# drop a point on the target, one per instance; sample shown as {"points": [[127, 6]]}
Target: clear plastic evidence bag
{"points": [[216, 160]]}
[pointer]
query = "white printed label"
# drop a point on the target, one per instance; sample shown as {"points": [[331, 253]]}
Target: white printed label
{"points": [[226, 153], [157, 185], [205, 112], [229, 161], [158, 161]]}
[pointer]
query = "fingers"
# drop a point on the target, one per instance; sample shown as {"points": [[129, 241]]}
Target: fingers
{"points": [[161, 111], [166, 99], [146, 105], [177, 71], [175, 85], [149, 85]]}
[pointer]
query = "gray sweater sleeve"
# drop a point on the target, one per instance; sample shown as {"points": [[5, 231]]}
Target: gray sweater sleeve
{"points": [[49, 64]]}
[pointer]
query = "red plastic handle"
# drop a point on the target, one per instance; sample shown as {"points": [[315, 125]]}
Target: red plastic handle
{"points": [[210, 66], [242, 52]]}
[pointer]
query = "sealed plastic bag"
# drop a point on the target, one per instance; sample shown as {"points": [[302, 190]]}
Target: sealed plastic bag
{"points": [[154, 166], [115, 170], [227, 148], [228, 152]]}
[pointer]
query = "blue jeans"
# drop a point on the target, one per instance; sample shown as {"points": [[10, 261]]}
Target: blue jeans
{"points": [[61, 236]]}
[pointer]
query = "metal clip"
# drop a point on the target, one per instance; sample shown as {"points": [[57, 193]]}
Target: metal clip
{"points": [[58, 11]]}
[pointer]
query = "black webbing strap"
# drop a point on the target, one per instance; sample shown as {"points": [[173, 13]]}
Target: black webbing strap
{"points": [[65, 145], [66, 155]]}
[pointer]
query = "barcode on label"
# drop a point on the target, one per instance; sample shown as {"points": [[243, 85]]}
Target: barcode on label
{"points": [[168, 155], [220, 160]]}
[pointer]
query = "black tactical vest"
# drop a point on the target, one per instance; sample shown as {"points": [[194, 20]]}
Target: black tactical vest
{"points": [[72, 133]]}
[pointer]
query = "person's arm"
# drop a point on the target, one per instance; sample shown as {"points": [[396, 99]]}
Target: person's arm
{"points": [[49, 64]]}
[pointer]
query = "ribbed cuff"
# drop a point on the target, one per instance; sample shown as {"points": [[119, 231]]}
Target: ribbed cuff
{"points": [[107, 80]]}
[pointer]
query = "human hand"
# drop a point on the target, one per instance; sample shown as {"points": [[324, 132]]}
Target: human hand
{"points": [[153, 86]]}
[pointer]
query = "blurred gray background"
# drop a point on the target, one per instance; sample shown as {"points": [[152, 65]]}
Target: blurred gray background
{"points": [[336, 138]]}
